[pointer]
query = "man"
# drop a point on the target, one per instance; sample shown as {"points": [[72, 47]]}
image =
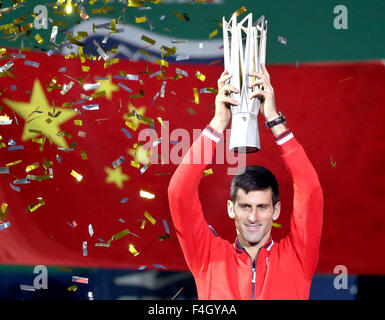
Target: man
{"points": [[255, 266]]}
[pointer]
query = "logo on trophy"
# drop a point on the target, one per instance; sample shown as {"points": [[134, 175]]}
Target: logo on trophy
{"points": [[244, 47]]}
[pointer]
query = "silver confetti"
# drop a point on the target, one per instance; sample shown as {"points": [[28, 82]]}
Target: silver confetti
{"points": [[6, 66], [91, 86], [182, 72], [90, 107], [182, 57], [90, 230], [27, 287], [66, 88], [162, 89], [118, 162], [282, 40], [124, 87], [5, 225], [85, 253]]}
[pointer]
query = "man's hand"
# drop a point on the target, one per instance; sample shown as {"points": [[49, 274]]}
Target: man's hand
{"points": [[222, 103], [266, 95]]}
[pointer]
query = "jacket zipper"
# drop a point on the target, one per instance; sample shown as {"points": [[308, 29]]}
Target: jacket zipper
{"points": [[254, 271], [253, 279]]}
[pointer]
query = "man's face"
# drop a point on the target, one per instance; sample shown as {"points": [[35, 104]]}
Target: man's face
{"points": [[253, 214]]}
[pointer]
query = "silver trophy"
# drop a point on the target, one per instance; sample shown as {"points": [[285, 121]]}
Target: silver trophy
{"points": [[244, 53]]}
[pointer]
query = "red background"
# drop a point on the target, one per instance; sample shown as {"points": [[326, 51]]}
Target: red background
{"points": [[333, 110]]}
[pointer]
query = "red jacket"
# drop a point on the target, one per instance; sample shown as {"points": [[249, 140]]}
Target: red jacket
{"points": [[283, 270]]}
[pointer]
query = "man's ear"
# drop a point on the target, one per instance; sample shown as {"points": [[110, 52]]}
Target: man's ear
{"points": [[230, 209], [277, 210]]}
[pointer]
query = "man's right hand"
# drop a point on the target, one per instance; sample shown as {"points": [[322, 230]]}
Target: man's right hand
{"points": [[222, 103]]}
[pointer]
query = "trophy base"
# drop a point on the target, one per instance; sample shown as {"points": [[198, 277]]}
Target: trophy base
{"points": [[244, 137]]}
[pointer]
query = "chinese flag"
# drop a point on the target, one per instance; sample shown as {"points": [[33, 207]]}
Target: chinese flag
{"points": [[79, 187]]}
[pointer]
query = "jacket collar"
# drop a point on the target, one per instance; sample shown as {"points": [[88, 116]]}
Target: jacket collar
{"points": [[239, 248]]}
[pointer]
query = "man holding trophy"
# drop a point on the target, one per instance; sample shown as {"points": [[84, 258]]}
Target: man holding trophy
{"points": [[254, 266]]}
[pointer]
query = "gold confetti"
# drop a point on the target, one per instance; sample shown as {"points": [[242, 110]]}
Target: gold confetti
{"points": [[131, 125], [113, 26], [207, 172], [145, 52], [149, 217], [32, 207], [32, 167], [179, 15], [102, 10], [76, 175], [13, 163], [139, 95], [169, 51], [121, 234], [164, 237], [47, 163], [135, 3], [160, 121], [111, 62], [213, 34], [39, 39], [240, 11], [78, 122], [200, 76], [4, 210], [143, 223], [85, 68], [40, 141], [98, 94], [277, 225], [72, 288], [162, 62], [140, 19], [196, 95], [83, 155], [132, 249], [135, 164], [147, 39], [147, 195]]}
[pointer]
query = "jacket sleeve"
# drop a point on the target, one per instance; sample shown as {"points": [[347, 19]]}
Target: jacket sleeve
{"points": [[191, 227], [306, 220]]}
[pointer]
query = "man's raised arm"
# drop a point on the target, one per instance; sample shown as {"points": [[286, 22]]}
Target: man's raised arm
{"points": [[306, 220], [191, 227]]}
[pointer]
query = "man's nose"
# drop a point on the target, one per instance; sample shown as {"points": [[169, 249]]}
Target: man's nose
{"points": [[253, 216]]}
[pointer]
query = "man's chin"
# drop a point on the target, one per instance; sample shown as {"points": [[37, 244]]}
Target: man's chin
{"points": [[253, 240]]}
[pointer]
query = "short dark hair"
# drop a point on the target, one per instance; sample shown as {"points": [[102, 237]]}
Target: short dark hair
{"points": [[254, 178]]}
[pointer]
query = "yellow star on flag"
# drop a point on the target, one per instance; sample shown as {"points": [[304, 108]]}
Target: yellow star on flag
{"points": [[108, 86], [134, 121], [35, 114], [116, 176]]}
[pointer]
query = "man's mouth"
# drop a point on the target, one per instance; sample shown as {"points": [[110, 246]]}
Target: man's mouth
{"points": [[253, 227]]}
